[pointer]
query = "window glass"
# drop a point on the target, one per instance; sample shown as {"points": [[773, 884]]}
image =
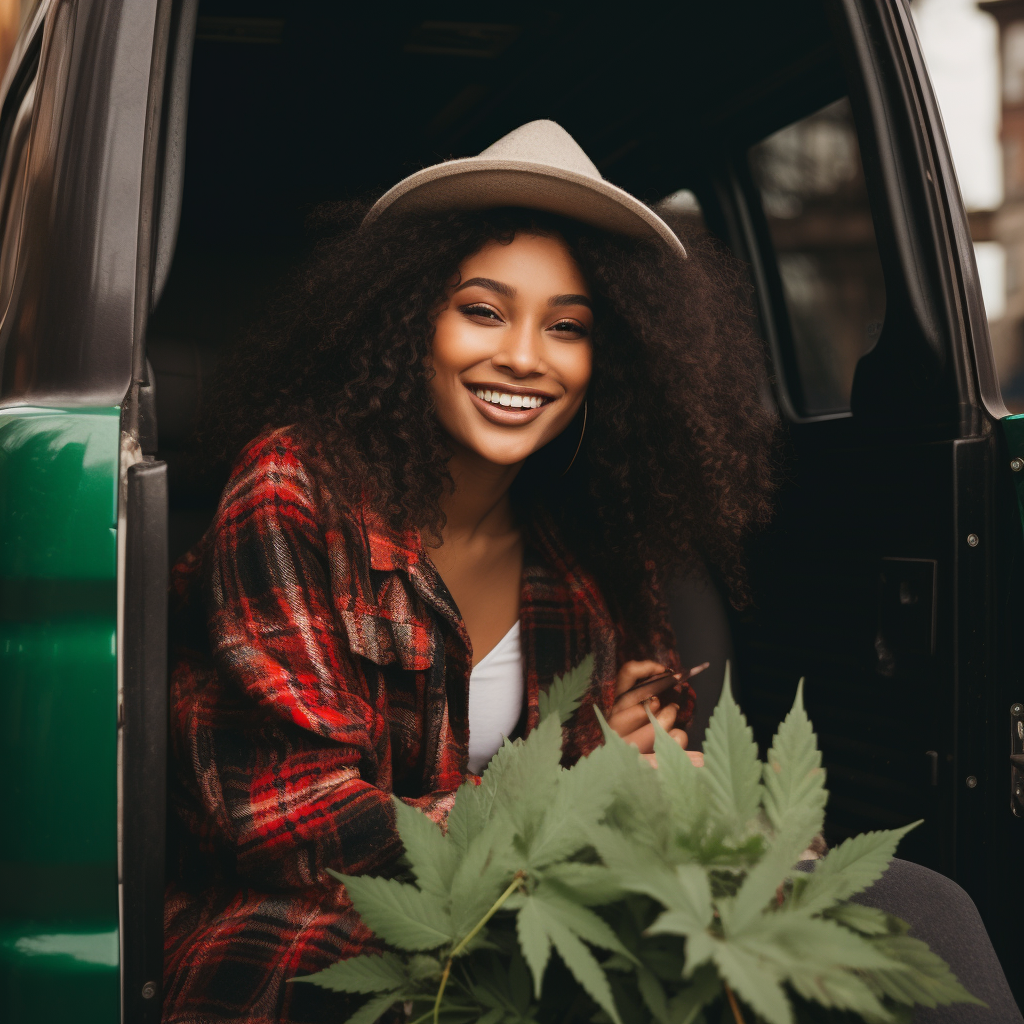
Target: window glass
{"points": [[811, 182]]}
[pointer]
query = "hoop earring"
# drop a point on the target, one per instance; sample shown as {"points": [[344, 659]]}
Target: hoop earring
{"points": [[580, 445]]}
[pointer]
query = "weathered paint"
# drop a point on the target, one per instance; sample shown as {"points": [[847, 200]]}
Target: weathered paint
{"points": [[58, 714]]}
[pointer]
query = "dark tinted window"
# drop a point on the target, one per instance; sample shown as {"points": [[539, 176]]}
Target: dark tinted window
{"points": [[811, 182]]}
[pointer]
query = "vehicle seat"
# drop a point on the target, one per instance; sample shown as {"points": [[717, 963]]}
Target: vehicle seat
{"points": [[182, 373], [701, 626]]}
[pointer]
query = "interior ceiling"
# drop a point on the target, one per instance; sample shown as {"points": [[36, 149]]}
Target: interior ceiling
{"points": [[292, 105], [295, 104]]}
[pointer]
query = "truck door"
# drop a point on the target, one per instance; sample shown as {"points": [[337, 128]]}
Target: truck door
{"points": [[891, 576], [81, 575]]}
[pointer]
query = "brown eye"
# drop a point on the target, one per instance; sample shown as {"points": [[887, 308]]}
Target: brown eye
{"points": [[569, 327], [484, 311]]}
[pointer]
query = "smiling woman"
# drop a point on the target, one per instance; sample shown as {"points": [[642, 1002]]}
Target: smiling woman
{"points": [[469, 449]]}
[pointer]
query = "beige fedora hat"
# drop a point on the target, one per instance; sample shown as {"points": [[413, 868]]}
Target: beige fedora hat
{"points": [[539, 166]]}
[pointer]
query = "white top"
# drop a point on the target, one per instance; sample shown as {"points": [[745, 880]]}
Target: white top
{"points": [[495, 698]]}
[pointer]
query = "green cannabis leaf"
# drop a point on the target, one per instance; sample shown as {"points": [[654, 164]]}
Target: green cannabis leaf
{"points": [[566, 692], [617, 893]]}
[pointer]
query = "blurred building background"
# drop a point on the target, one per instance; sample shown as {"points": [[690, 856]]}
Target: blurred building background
{"points": [[975, 55]]}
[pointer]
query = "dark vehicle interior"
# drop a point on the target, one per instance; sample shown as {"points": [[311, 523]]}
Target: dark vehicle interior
{"points": [[765, 125]]}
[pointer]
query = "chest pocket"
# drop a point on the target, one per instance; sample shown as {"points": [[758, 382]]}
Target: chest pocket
{"points": [[410, 644]]}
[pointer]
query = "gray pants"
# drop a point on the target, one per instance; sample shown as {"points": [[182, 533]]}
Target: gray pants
{"points": [[944, 916]]}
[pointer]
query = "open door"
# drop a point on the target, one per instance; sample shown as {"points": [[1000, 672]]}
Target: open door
{"points": [[891, 577]]}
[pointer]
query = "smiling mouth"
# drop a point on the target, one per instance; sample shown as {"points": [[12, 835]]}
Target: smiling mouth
{"points": [[510, 399]]}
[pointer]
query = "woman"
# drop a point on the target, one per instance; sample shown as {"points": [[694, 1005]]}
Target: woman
{"points": [[490, 425]]}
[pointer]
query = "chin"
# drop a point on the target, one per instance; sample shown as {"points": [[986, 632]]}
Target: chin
{"points": [[507, 454]]}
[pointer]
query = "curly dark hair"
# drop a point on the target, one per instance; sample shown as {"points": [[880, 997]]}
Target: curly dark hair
{"points": [[677, 463]]}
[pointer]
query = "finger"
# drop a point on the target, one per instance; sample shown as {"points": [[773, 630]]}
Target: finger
{"points": [[645, 690], [632, 672], [642, 738], [680, 737], [696, 757], [651, 759], [628, 719], [666, 717]]}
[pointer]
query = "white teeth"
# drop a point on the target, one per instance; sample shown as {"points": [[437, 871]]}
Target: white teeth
{"points": [[508, 400]]}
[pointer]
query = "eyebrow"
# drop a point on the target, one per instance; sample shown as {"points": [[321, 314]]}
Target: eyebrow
{"points": [[570, 300], [486, 282], [510, 293]]}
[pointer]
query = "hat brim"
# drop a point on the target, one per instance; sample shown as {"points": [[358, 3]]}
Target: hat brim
{"points": [[480, 184]]}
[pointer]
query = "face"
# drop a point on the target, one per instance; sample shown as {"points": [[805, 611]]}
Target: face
{"points": [[512, 349]]}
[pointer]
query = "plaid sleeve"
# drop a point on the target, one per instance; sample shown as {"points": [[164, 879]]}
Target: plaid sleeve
{"points": [[284, 764]]}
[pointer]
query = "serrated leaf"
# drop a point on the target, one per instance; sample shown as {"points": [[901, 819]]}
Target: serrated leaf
{"points": [[431, 856], [566, 693], [704, 986], [850, 868], [764, 878], [732, 770], [361, 974], [794, 781], [799, 945], [639, 808], [485, 871], [583, 794], [841, 990], [754, 981], [469, 814], [588, 884], [400, 914], [519, 982], [530, 779], [581, 920], [683, 888], [680, 780], [372, 1010], [534, 942], [653, 995], [582, 965], [423, 967], [918, 975], [865, 920]]}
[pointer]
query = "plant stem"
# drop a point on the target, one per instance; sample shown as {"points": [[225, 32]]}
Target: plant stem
{"points": [[735, 1006], [516, 883]]}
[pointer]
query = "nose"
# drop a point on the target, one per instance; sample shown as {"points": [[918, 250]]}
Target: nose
{"points": [[522, 352]]}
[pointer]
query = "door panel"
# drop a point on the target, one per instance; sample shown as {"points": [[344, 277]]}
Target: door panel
{"points": [[58, 714], [886, 576]]}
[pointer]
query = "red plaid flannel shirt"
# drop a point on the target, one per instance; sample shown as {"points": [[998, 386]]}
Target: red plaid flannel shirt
{"points": [[319, 666]]}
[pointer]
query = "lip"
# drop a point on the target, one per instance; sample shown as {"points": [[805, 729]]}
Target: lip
{"points": [[504, 415]]}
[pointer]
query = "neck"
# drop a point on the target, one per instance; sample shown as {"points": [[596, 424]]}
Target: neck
{"points": [[480, 501]]}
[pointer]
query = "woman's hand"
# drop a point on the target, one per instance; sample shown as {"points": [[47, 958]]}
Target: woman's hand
{"points": [[629, 712]]}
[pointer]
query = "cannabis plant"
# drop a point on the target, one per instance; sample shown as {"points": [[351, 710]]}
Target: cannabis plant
{"points": [[618, 893]]}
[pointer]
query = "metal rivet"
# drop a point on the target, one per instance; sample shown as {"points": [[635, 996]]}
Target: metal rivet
{"points": [[149, 990], [1017, 709], [1016, 465], [972, 540], [971, 782]]}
